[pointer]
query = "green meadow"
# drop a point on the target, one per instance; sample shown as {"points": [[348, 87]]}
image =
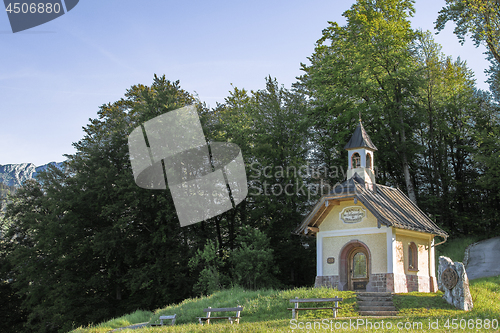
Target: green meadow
{"points": [[266, 311]]}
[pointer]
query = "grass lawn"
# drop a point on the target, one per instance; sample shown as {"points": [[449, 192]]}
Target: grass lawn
{"points": [[266, 311]]}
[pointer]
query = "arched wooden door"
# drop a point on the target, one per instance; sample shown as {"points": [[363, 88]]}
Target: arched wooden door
{"points": [[358, 269]]}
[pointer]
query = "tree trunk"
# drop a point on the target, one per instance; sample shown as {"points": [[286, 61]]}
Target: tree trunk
{"points": [[409, 183], [406, 167]]}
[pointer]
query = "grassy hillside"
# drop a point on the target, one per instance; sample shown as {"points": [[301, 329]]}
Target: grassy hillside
{"points": [[455, 248], [259, 306], [266, 311]]}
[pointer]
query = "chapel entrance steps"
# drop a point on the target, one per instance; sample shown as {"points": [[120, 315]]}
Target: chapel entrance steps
{"points": [[375, 304]]}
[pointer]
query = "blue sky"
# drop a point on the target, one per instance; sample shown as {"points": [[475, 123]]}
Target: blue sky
{"points": [[55, 76]]}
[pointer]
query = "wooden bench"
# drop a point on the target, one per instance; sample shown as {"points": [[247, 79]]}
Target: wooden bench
{"points": [[162, 318], [232, 319], [296, 309]]}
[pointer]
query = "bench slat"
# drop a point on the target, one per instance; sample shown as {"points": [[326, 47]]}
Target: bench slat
{"points": [[205, 318], [168, 317], [296, 309], [316, 300], [330, 308], [232, 319], [162, 318], [240, 308]]}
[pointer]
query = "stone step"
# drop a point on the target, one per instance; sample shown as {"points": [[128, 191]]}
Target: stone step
{"points": [[375, 303], [378, 313], [377, 308], [374, 299], [373, 294]]}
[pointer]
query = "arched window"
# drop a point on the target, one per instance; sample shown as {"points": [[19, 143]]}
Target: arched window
{"points": [[359, 268], [368, 160], [412, 257], [355, 160]]}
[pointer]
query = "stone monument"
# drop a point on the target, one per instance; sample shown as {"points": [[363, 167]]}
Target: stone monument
{"points": [[453, 281]]}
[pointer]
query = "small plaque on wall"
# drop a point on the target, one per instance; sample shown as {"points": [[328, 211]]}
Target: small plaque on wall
{"points": [[352, 214], [330, 260]]}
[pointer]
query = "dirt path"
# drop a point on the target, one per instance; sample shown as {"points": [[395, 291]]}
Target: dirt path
{"points": [[484, 259]]}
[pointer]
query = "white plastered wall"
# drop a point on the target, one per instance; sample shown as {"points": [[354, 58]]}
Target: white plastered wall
{"points": [[334, 234]]}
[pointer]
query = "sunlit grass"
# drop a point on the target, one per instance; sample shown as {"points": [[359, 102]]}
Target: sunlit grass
{"points": [[266, 311]]}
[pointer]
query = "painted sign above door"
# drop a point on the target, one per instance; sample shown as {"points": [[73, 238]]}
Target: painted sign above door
{"points": [[353, 214]]}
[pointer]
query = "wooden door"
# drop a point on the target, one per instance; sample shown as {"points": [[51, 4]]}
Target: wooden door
{"points": [[358, 269]]}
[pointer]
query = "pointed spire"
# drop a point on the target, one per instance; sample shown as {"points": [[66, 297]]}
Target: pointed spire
{"points": [[360, 138]]}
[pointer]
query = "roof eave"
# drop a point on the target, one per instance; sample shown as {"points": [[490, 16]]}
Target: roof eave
{"points": [[302, 228]]}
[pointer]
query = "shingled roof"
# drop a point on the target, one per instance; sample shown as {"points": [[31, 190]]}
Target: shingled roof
{"points": [[360, 139], [390, 206]]}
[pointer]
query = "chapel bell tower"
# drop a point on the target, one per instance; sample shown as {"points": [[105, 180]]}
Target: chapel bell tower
{"points": [[360, 151]]}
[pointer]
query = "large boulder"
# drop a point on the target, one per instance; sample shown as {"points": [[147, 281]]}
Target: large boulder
{"points": [[453, 281]]}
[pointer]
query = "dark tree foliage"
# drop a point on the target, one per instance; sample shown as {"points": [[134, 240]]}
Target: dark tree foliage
{"points": [[269, 127], [89, 244], [253, 262], [487, 157], [12, 314], [282, 188]]}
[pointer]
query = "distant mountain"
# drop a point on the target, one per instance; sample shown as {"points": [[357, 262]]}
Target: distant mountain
{"points": [[16, 174]]}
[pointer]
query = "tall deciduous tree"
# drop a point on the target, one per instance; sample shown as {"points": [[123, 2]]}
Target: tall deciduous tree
{"points": [[480, 19], [452, 111], [367, 67]]}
